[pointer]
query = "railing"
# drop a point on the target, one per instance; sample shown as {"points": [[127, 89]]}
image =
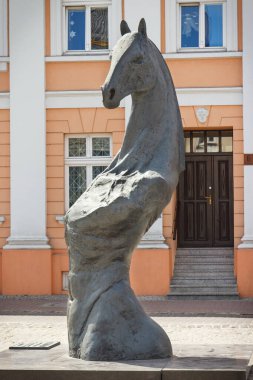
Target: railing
{"points": [[174, 226]]}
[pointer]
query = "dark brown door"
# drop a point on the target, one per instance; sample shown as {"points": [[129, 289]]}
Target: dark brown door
{"points": [[205, 202]]}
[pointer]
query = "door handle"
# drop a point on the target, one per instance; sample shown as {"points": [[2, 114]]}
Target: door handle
{"points": [[209, 198]]}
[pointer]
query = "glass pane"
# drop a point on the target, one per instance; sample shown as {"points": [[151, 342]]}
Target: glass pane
{"points": [[99, 28], [212, 142], [189, 26], [96, 170], [101, 146], [187, 142], [77, 183], [213, 25], [198, 142], [77, 147], [226, 141], [76, 29]]}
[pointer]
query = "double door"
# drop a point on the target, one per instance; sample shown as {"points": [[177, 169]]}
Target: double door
{"points": [[205, 202]]}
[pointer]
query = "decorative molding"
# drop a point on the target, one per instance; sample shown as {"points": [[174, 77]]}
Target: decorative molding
{"points": [[215, 96], [3, 66], [4, 100], [2, 219], [93, 99], [153, 238], [79, 58], [60, 219], [247, 242], [92, 56], [248, 159], [27, 243], [75, 99], [202, 114]]}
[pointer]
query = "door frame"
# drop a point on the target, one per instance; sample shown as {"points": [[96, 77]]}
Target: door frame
{"points": [[231, 191]]}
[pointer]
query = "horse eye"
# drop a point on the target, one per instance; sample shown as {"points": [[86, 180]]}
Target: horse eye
{"points": [[138, 60]]}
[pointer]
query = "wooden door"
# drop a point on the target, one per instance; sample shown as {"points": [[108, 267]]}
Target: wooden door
{"points": [[205, 202]]}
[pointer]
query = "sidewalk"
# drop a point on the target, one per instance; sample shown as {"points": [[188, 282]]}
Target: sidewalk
{"points": [[154, 306], [212, 326]]}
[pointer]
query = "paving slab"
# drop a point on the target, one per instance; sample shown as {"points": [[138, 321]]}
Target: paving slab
{"points": [[202, 362]]}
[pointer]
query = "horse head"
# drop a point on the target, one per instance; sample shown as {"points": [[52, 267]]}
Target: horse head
{"points": [[132, 66]]}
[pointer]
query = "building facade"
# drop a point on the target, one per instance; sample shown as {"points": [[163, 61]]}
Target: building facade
{"points": [[56, 136]]}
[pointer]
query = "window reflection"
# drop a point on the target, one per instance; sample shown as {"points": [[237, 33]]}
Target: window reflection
{"points": [[190, 26], [198, 142]]}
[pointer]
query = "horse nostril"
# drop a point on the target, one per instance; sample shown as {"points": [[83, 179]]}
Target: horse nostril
{"points": [[112, 93]]}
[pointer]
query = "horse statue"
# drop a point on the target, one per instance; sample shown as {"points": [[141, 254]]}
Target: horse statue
{"points": [[105, 320]]}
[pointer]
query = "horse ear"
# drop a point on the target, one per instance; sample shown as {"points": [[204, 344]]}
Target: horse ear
{"points": [[124, 28], [142, 27]]}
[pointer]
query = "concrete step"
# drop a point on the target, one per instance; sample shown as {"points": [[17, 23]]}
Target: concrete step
{"points": [[205, 251], [204, 275], [203, 289], [204, 260], [194, 296], [203, 268], [202, 282]]}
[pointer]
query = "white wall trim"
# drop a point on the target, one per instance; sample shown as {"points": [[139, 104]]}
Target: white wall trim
{"points": [[4, 100], [75, 99], [219, 96], [56, 27], [28, 123], [227, 96], [201, 55], [232, 26], [91, 56], [3, 29], [79, 58]]}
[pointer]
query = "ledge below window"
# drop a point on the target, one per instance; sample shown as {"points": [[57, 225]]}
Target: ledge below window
{"points": [[78, 58], [203, 54]]}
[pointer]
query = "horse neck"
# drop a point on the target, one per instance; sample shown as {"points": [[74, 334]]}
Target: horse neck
{"points": [[148, 107]]}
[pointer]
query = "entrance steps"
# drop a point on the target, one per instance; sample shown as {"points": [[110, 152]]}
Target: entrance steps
{"points": [[204, 273]]}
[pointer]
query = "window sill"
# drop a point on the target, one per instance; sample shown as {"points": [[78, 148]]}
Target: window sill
{"points": [[81, 57], [202, 54], [3, 63]]}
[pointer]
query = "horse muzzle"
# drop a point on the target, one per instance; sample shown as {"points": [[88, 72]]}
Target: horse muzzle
{"points": [[110, 98]]}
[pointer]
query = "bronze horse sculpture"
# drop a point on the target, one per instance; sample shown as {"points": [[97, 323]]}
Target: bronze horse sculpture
{"points": [[105, 320]]}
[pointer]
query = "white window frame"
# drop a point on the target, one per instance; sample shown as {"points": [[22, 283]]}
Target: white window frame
{"points": [[87, 5], [89, 161], [58, 25], [173, 26], [3, 35]]}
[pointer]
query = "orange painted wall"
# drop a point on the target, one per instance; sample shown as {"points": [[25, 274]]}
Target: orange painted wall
{"points": [[150, 271], [5, 80], [47, 27], [239, 21], [212, 72], [244, 259], [26, 272], [206, 72], [4, 175], [66, 76]]}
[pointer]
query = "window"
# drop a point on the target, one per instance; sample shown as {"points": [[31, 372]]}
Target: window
{"points": [[208, 142], [85, 158], [202, 25], [86, 27]]}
